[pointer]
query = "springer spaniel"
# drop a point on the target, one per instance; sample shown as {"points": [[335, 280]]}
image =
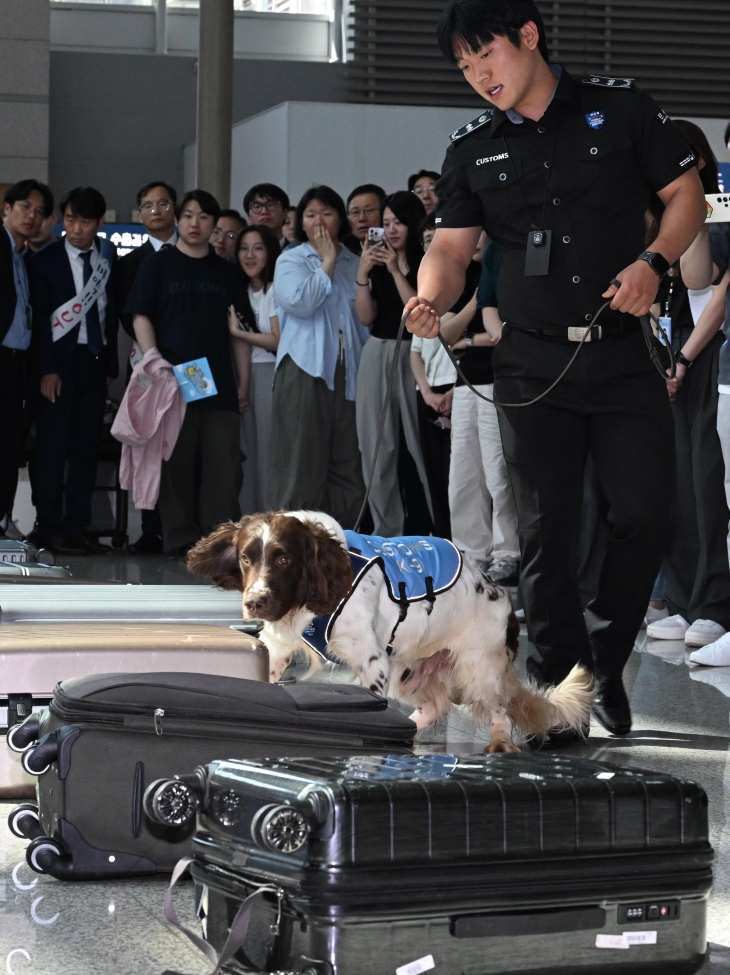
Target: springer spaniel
{"points": [[294, 566]]}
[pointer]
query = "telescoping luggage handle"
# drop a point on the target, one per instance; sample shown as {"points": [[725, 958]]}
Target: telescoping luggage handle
{"points": [[239, 925]]}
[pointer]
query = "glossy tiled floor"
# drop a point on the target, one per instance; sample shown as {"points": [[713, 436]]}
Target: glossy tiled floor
{"points": [[680, 726]]}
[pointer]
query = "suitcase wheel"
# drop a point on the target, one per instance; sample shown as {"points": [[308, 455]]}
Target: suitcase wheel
{"points": [[24, 823], [42, 853], [281, 829], [170, 802], [38, 760], [22, 736]]}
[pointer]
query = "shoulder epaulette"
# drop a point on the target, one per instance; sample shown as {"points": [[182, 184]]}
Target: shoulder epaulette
{"points": [[603, 82], [472, 126]]}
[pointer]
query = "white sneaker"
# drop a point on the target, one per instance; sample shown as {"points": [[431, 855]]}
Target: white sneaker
{"points": [[715, 654], [670, 628], [653, 615], [501, 570], [702, 632]]}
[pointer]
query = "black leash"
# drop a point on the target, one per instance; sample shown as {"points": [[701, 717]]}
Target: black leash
{"points": [[645, 322]]}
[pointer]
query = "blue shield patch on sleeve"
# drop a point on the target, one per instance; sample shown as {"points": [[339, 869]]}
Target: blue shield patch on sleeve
{"points": [[595, 119]]}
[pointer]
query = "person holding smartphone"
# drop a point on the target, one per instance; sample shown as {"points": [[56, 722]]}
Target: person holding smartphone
{"points": [[386, 280]]}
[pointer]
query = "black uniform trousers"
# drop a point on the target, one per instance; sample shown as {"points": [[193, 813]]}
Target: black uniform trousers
{"points": [[614, 406], [70, 429], [698, 577], [12, 392]]}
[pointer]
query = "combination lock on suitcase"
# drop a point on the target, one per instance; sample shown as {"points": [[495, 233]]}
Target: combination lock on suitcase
{"points": [[529, 864]]}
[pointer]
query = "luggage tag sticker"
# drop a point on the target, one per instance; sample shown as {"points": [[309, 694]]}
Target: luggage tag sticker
{"points": [[416, 967], [640, 937], [195, 379], [610, 941], [626, 939]]}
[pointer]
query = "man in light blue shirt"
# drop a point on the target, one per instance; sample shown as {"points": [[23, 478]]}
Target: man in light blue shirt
{"points": [[26, 205]]}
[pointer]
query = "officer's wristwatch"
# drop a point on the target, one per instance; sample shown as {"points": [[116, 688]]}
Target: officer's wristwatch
{"points": [[659, 265], [469, 341], [682, 360]]}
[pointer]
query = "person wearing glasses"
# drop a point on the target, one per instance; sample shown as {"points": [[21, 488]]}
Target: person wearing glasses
{"points": [[225, 234], [423, 184], [364, 210], [268, 204], [156, 205]]}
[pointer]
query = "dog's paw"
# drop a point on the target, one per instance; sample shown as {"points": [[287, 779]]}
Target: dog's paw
{"points": [[500, 746]]}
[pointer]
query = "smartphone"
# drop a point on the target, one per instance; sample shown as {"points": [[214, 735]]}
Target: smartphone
{"points": [[718, 207], [376, 235]]}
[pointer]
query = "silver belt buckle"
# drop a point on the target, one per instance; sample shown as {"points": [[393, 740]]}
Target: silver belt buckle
{"points": [[576, 333]]}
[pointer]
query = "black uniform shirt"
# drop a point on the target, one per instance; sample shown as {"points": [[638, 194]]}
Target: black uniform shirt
{"points": [[601, 148]]}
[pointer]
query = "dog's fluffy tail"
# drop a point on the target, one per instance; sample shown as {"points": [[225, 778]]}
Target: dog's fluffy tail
{"points": [[536, 710]]}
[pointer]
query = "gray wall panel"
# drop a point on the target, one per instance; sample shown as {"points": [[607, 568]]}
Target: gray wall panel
{"points": [[118, 120]]}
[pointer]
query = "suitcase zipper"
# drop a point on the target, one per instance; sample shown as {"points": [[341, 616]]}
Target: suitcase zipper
{"points": [[159, 715]]}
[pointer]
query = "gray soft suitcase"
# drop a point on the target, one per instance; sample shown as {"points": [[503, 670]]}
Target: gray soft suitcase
{"points": [[477, 865], [34, 657], [105, 738]]}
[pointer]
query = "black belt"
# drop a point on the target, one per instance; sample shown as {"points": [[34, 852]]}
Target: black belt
{"points": [[575, 333]]}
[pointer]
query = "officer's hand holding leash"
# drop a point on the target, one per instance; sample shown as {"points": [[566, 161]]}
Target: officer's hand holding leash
{"points": [[633, 290]]}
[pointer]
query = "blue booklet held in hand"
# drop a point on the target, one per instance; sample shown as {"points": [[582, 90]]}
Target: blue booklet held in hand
{"points": [[195, 379]]}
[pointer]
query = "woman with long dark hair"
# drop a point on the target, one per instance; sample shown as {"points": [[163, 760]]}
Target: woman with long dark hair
{"points": [[386, 280], [257, 251], [315, 461], [696, 568]]}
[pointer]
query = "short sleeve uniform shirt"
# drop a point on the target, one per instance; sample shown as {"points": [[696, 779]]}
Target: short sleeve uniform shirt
{"points": [[585, 171]]}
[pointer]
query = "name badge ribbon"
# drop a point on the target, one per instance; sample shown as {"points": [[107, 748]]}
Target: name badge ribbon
{"points": [[68, 315]]}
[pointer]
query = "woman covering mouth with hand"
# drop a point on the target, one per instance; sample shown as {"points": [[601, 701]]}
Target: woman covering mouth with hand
{"points": [[257, 249]]}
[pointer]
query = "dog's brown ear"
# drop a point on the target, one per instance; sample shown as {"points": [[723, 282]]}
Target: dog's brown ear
{"points": [[216, 557], [328, 571]]}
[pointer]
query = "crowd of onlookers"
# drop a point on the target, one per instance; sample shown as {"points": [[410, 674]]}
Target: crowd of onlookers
{"points": [[293, 313]]}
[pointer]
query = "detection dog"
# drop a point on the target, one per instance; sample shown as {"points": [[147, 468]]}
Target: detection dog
{"points": [[293, 566]]}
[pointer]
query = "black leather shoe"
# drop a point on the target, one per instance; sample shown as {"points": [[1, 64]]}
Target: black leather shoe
{"points": [[148, 543], [560, 739], [611, 706], [81, 543]]}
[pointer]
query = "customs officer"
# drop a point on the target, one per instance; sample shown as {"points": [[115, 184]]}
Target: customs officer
{"points": [[559, 172]]}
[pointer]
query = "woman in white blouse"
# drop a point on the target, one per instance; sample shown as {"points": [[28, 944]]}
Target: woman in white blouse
{"points": [[258, 249]]}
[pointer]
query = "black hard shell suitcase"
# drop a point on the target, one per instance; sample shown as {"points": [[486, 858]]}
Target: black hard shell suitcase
{"points": [[104, 738], [492, 864]]}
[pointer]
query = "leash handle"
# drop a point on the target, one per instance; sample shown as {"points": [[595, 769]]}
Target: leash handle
{"points": [[646, 329]]}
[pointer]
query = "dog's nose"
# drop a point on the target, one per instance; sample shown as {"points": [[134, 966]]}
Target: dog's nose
{"points": [[254, 603]]}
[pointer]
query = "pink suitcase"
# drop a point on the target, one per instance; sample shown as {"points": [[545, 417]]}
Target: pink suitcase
{"points": [[34, 657]]}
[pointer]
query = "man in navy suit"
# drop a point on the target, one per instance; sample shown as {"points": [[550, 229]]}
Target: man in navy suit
{"points": [[26, 204], [75, 320]]}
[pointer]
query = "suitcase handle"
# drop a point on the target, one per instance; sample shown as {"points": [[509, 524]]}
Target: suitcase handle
{"points": [[239, 925], [550, 921]]}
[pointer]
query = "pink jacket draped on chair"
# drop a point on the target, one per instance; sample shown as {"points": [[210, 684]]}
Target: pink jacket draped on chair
{"points": [[147, 424]]}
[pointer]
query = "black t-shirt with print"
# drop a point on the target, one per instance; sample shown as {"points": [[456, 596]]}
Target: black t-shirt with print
{"points": [[187, 300]]}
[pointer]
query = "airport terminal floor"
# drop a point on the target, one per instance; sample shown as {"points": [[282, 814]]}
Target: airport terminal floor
{"points": [[681, 727]]}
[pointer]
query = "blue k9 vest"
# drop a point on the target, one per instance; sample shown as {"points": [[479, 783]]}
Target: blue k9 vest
{"points": [[415, 569]]}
